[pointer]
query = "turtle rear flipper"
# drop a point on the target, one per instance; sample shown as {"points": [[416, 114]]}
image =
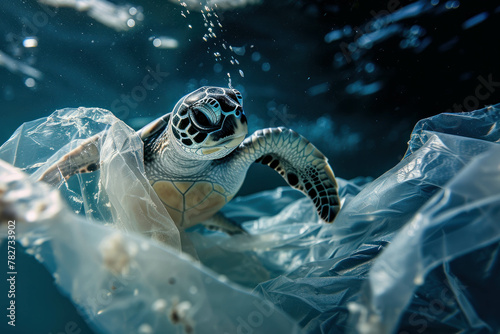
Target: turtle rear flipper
{"points": [[301, 164], [219, 222], [83, 159]]}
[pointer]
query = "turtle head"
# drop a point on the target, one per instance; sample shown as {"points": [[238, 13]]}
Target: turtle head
{"points": [[209, 123]]}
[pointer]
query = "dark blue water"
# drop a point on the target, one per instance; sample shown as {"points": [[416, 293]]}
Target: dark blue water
{"points": [[352, 76]]}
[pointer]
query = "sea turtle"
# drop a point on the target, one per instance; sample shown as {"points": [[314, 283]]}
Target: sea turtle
{"points": [[196, 159]]}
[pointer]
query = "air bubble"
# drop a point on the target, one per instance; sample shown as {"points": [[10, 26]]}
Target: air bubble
{"points": [[30, 82], [217, 68], [30, 42]]}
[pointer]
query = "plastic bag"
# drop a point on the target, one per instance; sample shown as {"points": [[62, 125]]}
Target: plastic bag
{"points": [[118, 193]]}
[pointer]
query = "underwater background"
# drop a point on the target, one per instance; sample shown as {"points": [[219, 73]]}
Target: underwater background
{"points": [[351, 76]]}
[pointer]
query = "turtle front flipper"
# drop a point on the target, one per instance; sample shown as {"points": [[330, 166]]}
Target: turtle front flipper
{"points": [[83, 159], [301, 164]]}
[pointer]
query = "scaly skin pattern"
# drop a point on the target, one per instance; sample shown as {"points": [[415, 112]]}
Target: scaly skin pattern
{"points": [[298, 161]]}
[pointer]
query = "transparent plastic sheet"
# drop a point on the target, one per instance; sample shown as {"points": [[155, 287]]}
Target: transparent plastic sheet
{"points": [[124, 283], [333, 278], [118, 193], [461, 218]]}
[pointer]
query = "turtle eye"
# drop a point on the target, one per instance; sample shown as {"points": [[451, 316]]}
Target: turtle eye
{"points": [[200, 119]]}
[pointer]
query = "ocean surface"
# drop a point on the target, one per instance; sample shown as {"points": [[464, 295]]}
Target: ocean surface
{"points": [[353, 77]]}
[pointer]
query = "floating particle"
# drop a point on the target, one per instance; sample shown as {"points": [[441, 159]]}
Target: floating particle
{"points": [[164, 42], [256, 56], [190, 26], [30, 42], [242, 74], [239, 50], [475, 20], [333, 36], [236, 61], [369, 67], [416, 30], [218, 68], [318, 89], [182, 13], [159, 305], [266, 67], [145, 329], [30, 82], [452, 4]]}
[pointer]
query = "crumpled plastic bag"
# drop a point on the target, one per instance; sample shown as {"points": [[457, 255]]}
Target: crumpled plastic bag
{"points": [[119, 192], [414, 250]]}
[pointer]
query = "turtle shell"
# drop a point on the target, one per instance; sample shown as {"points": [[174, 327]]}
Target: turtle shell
{"points": [[190, 203]]}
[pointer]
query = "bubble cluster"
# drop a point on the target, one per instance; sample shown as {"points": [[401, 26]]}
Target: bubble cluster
{"points": [[224, 54]]}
